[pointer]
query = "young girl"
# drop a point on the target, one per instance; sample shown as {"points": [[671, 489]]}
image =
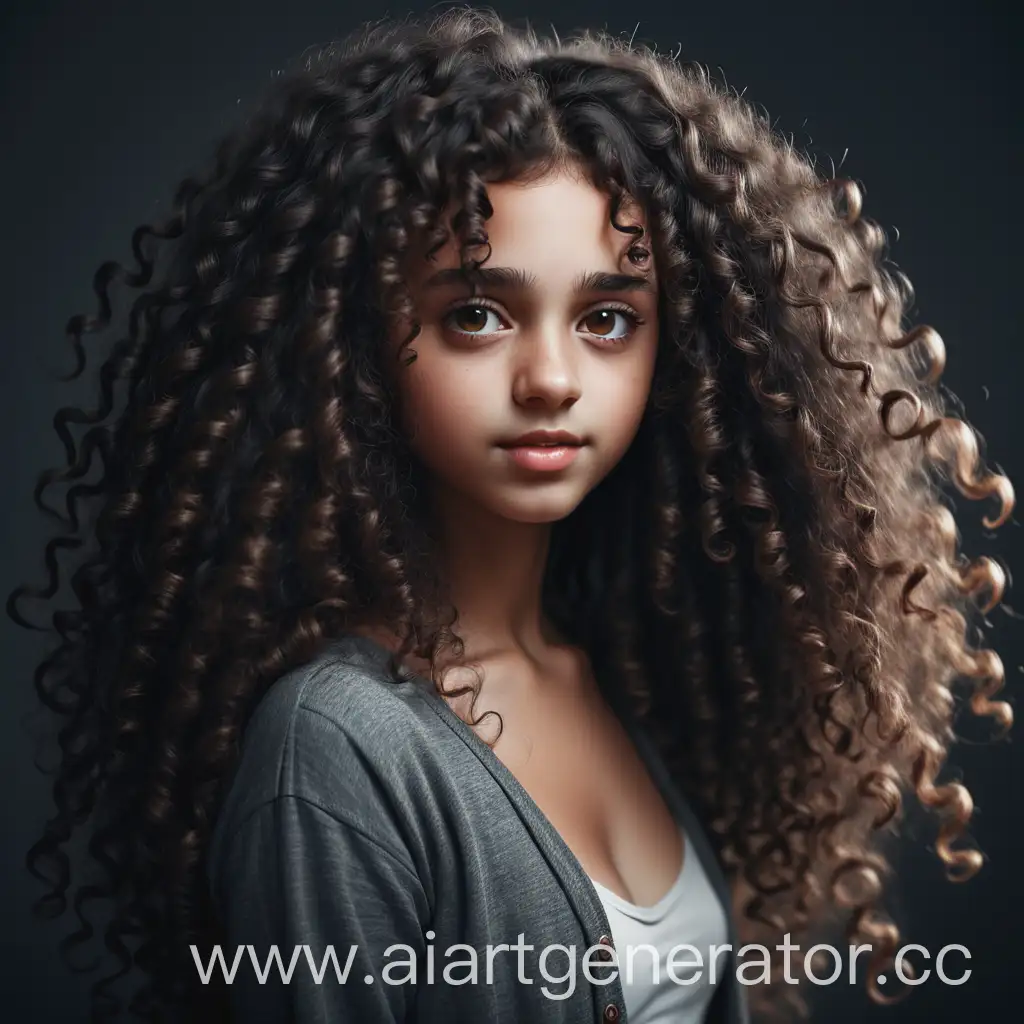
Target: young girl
{"points": [[521, 572]]}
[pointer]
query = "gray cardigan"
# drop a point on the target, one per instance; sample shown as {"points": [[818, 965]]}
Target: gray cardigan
{"points": [[365, 814]]}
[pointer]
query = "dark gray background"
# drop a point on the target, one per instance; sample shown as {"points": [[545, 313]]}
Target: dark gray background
{"points": [[106, 105]]}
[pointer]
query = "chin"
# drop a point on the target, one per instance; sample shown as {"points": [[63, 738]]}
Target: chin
{"points": [[538, 509]]}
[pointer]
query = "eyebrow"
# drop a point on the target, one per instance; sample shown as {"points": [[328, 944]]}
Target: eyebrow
{"points": [[514, 279]]}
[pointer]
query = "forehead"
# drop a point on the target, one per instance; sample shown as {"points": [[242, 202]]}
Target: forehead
{"points": [[552, 228]]}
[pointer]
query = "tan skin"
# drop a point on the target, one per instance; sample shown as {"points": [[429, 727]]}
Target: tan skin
{"points": [[542, 355]]}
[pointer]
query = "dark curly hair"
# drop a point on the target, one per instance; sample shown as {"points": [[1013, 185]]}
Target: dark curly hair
{"points": [[786, 607]]}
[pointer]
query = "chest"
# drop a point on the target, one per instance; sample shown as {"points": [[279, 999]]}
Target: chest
{"points": [[573, 757]]}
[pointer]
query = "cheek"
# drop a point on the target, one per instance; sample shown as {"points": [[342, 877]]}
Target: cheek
{"points": [[442, 408], [623, 396]]}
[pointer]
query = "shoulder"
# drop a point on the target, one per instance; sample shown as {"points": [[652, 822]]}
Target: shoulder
{"points": [[344, 695], [335, 732]]}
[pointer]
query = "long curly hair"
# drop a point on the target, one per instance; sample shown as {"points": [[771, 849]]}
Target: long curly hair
{"points": [[773, 584]]}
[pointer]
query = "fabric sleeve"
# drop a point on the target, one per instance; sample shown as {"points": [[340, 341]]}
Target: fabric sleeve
{"points": [[296, 877]]}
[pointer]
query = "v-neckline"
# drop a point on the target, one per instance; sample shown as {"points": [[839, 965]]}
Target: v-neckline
{"points": [[579, 886], [651, 913], [580, 892]]}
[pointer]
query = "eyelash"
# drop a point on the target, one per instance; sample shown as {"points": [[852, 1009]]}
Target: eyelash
{"points": [[616, 307]]}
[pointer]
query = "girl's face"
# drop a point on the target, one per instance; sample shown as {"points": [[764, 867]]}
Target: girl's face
{"points": [[562, 337]]}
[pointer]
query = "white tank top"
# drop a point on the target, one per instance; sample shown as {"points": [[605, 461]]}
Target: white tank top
{"points": [[689, 912]]}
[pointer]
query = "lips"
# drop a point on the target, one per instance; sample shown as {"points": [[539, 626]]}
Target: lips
{"points": [[543, 439], [544, 458]]}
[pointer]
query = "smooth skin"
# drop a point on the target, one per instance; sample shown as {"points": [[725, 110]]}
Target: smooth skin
{"points": [[536, 352]]}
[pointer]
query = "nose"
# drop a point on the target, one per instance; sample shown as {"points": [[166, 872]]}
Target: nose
{"points": [[546, 370]]}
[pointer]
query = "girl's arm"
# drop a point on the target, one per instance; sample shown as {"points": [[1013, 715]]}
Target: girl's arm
{"points": [[296, 877]]}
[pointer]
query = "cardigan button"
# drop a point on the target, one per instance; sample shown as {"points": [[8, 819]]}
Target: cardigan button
{"points": [[611, 1013], [605, 954]]}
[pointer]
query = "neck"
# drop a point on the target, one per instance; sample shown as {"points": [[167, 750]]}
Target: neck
{"points": [[494, 568]]}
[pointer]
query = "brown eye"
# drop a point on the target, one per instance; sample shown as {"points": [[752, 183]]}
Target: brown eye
{"points": [[601, 322], [472, 319]]}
